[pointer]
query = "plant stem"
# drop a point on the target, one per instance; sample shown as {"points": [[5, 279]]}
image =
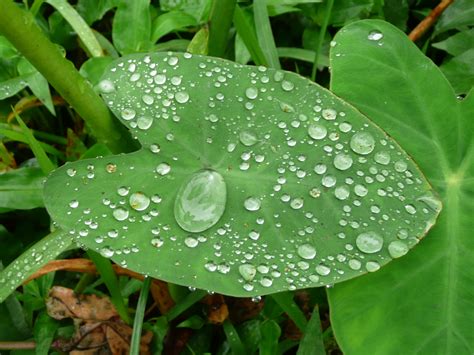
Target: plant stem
{"points": [[17, 345], [139, 315], [20, 28], [322, 34], [222, 14]]}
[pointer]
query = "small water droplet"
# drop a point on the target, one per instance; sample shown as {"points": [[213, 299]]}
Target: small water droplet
{"points": [[343, 161], [287, 85], [120, 214], [410, 209], [252, 204], [323, 270], [297, 203], [247, 271], [139, 201], [74, 204], [362, 143], [397, 249], [355, 264], [144, 122], [107, 252], [251, 93], [369, 242], [372, 266], [182, 97], [163, 169], [382, 157], [375, 35], [328, 180], [128, 114], [71, 172], [329, 114], [106, 86], [191, 242]]}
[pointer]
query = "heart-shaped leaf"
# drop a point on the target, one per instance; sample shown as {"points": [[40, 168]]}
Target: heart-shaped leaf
{"points": [[250, 181], [426, 299]]}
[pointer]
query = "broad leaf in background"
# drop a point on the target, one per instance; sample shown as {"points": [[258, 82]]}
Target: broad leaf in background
{"points": [[199, 9], [250, 181], [131, 28], [458, 15], [22, 188], [425, 298], [458, 43], [460, 72]]}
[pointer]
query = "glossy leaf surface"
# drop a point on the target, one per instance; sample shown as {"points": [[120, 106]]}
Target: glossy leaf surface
{"points": [[250, 181], [426, 299]]}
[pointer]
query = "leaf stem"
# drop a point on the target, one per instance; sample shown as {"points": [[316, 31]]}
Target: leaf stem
{"points": [[20, 28], [139, 315], [429, 20]]}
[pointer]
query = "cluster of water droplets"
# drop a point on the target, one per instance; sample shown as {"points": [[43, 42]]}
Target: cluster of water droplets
{"points": [[264, 178]]}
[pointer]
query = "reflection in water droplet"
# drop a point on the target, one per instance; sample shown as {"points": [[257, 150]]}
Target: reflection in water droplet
{"points": [[200, 201], [128, 114], [369, 242], [410, 209], [287, 85], [144, 122], [252, 204], [306, 251], [329, 114], [382, 157], [191, 242], [107, 252], [251, 93], [397, 249], [139, 201], [355, 264], [362, 143], [181, 97], [106, 86], [320, 169], [317, 131], [342, 192], [74, 204], [329, 181], [297, 203]]}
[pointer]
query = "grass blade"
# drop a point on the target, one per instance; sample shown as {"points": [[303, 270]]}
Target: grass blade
{"points": [[139, 315], [45, 163], [21, 137], [233, 338], [35, 257], [170, 22], [249, 37], [264, 33], [79, 25], [106, 272], [187, 302], [304, 55], [286, 302], [312, 342], [271, 332], [322, 33], [222, 13]]}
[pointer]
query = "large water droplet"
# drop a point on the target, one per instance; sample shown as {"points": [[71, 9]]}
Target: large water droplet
{"points": [[248, 271], [200, 201], [139, 201], [248, 138], [362, 143], [252, 204], [307, 251], [317, 131], [343, 161], [369, 242], [397, 249]]}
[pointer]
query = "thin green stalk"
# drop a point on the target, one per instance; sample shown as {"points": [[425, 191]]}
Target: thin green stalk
{"points": [[233, 338], [221, 20], [322, 34], [312, 342], [20, 28], [106, 272], [139, 315], [286, 302], [265, 34]]}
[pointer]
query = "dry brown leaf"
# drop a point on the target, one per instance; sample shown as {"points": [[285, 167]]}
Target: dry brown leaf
{"points": [[217, 311], [63, 303]]}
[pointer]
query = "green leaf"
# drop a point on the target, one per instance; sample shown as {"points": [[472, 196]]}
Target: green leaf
{"points": [[233, 338], [245, 173], [94, 10], [44, 330], [458, 15], [139, 316], [200, 9], [286, 302], [131, 28], [396, 12], [79, 25], [460, 72], [37, 83], [7, 50], [94, 68], [13, 86], [346, 11], [458, 43], [312, 342], [170, 22], [22, 188], [198, 44], [44, 162], [264, 33], [270, 331], [425, 298], [31, 260]]}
